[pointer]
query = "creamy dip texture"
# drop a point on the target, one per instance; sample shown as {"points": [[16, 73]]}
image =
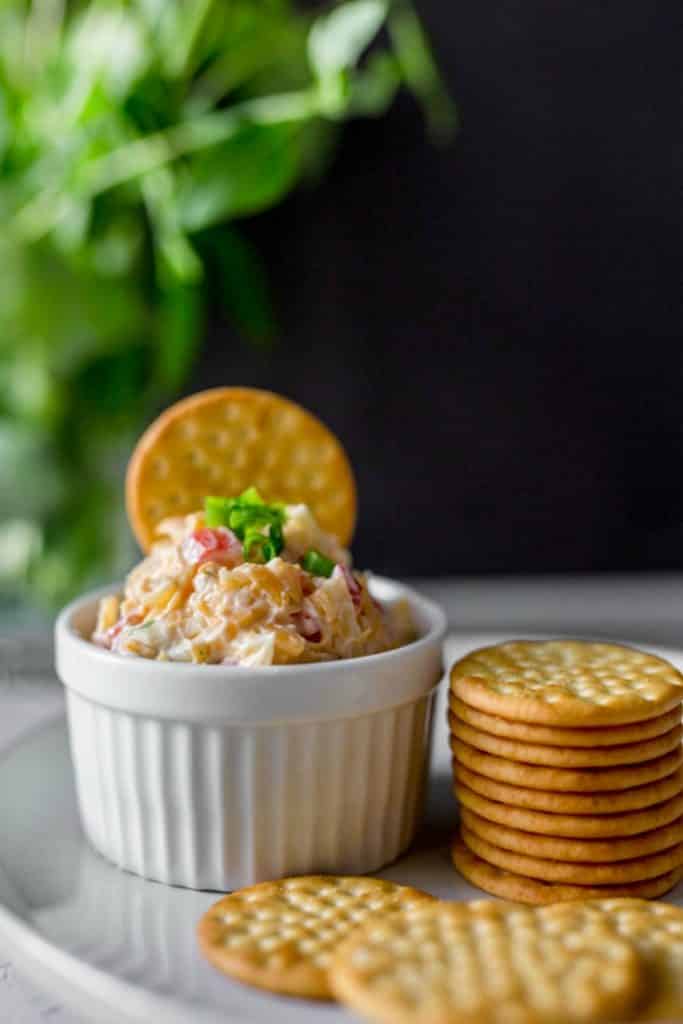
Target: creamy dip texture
{"points": [[247, 583]]}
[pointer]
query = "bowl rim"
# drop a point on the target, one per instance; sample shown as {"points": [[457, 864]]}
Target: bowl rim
{"points": [[431, 611]]}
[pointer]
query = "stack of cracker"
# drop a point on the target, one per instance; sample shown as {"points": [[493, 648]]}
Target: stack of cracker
{"points": [[567, 766]]}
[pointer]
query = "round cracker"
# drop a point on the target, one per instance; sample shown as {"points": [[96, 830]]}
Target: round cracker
{"points": [[589, 851], [576, 780], [637, 869], [572, 826], [280, 935], [565, 757], [227, 439], [485, 963], [637, 798], [554, 736], [510, 886], [656, 931], [567, 683]]}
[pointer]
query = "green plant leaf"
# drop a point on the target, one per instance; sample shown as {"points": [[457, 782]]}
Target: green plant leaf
{"points": [[66, 316], [31, 392], [32, 481], [20, 545], [419, 69], [105, 42], [375, 86], [337, 40], [113, 384], [178, 260], [245, 175], [181, 320], [244, 289]]}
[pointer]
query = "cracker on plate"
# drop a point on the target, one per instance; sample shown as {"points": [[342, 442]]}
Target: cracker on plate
{"points": [[484, 963], [280, 935]]}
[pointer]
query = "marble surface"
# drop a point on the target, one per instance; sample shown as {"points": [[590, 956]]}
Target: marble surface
{"points": [[639, 609]]}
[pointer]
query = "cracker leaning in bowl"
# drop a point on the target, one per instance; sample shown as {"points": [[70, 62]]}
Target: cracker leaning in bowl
{"points": [[223, 441]]}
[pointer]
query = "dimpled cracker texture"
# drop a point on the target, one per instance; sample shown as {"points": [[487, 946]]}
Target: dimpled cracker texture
{"points": [[573, 826], [601, 736], [655, 929], [565, 757], [615, 802], [280, 935], [637, 869], [575, 780], [510, 886], [486, 963], [588, 851], [227, 439], [567, 683]]}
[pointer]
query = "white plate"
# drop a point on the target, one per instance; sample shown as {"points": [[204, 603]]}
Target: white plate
{"points": [[116, 947]]}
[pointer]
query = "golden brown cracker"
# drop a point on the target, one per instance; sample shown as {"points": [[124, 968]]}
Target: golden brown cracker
{"points": [[555, 736], [616, 802], [486, 963], [576, 780], [589, 851], [572, 826], [280, 935], [656, 931], [227, 439], [637, 869], [510, 886], [565, 757], [567, 683]]}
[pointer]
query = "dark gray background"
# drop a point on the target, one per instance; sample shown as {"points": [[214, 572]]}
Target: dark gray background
{"points": [[495, 330]]}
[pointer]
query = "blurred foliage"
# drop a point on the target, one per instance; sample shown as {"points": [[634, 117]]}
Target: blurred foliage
{"points": [[133, 134]]}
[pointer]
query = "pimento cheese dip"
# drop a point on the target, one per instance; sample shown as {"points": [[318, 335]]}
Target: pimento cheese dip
{"points": [[246, 583]]}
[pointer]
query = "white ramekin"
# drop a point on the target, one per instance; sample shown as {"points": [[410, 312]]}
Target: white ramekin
{"points": [[216, 777]]}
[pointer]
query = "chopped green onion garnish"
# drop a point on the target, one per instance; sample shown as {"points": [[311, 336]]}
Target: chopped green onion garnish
{"points": [[217, 511], [317, 564], [250, 497], [265, 549], [256, 524]]}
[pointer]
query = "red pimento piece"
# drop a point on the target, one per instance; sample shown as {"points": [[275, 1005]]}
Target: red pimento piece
{"points": [[213, 545], [352, 583], [308, 625]]}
